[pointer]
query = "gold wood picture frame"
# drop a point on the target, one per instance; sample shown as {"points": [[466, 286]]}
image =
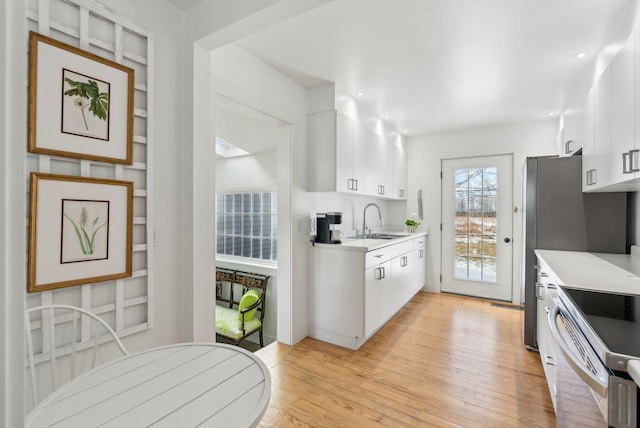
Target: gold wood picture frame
{"points": [[80, 231], [80, 104]]}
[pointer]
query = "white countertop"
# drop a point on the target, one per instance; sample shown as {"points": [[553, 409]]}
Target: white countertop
{"points": [[616, 273], [370, 244]]}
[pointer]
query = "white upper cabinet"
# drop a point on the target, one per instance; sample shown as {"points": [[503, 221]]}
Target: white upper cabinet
{"points": [[602, 130], [345, 154], [589, 168], [334, 154], [359, 165], [399, 182], [379, 168], [345, 180], [622, 113], [569, 137], [611, 159]]}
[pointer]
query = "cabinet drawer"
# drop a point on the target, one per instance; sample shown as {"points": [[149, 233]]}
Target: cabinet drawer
{"points": [[383, 254]]}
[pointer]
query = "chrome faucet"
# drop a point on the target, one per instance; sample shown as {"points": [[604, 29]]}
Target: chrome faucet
{"points": [[364, 218]]}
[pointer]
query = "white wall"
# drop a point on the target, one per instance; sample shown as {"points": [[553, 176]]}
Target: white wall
{"points": [[426, 154], [13, 190], [253, 172]]}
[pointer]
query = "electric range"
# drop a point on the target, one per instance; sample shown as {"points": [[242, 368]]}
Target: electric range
{"points": [[610, 322]]}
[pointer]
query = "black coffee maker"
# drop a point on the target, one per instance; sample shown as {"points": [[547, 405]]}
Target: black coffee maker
{"points": [[326, 230]]}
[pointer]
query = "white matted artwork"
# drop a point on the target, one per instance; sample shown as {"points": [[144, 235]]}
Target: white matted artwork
{"points": [[85, 230], [80, 104], [80, 231]]}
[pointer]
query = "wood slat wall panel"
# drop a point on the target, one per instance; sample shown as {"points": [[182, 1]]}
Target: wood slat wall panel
{"points": [[123, 48], [442, 360]]}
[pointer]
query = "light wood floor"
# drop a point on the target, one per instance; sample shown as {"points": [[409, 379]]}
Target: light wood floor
{"points": [[442, 361]]}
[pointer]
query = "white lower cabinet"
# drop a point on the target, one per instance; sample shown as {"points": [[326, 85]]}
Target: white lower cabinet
{"points": [[354, 293], [545, 293]]}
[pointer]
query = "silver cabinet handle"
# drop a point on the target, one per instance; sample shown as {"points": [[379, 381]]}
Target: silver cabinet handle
{"points": [[567, 147], [356, 184], [401, 193], [632, 167], [592, 177], [350, 183], [625, 158], [540, 291], [379, 273]]}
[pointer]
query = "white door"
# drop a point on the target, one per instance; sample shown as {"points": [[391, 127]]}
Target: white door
{"points": [[477, 226]]}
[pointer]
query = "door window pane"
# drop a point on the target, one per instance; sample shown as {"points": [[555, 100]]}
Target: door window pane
{"points": [[475, 210]]}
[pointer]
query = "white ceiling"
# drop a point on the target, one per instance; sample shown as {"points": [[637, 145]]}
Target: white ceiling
{"points": [[435, 65], [185, 4]]}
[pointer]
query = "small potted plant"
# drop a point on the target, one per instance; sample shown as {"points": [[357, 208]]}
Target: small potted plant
{"points": [[412, 223]]}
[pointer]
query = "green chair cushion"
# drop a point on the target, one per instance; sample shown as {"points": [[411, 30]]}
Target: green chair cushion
{"points": [[229, 325], [248, 299]]}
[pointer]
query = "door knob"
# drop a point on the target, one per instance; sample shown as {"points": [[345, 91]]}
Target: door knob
{"points": [[507, 240]]}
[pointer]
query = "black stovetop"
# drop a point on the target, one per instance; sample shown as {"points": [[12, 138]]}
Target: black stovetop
{"points": [[615, 318]]}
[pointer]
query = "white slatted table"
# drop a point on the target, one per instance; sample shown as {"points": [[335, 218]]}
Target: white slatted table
{"points": [[185, 385]]}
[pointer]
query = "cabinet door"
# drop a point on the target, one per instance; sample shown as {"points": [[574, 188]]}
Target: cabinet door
{"points": [[378, 167], [399, 182], [373, 281], [359, 170], [622, 112], [420, 268], [544, 293], [602, 130], [321, 161], [376, 297], [588, 149], [344, 153], [401, 284], [569, 140]]}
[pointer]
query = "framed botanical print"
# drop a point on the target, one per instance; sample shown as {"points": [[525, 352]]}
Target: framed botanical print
{"points": [[80, 231], [80, 104]]}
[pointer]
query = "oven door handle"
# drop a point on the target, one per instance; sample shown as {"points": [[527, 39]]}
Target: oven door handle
{"points": [[600, 384]]}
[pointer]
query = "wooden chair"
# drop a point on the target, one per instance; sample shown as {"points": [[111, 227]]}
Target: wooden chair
{"points": [[239, 318], [50, 336]]}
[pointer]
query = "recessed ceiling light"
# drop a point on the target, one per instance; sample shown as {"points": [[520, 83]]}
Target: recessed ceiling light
{"points": [[551, 114], [387, 116], [359, 93], [580, 55], [405, 131]]}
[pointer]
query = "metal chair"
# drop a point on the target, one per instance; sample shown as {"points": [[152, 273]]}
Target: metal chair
{"points": [[59, 339]]}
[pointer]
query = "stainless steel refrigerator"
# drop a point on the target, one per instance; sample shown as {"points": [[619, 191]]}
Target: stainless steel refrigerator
{"points": [[559, 216]]}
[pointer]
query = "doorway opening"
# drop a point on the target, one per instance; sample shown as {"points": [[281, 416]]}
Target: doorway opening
{"points": [[247, 212]]}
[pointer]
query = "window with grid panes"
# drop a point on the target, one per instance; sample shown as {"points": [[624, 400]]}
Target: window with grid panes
{"points": [[246, 225]]}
